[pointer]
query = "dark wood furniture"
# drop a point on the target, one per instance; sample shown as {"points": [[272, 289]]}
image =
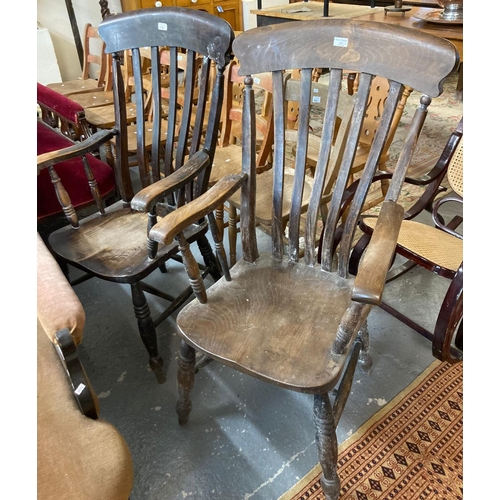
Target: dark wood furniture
{"points": [[61, 125], [113, 243], [438, 249], [285, 319]]}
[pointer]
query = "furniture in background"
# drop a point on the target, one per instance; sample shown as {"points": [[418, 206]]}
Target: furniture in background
{"points": [[284, 319], [75, 179], [229, 10], [78, 454], [227, 159], [438, 249], [91, 57], [113, 243]]}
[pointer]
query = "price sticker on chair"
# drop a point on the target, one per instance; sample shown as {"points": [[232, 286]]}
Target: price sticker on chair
{"points": [[340, 41], [162, 26]]}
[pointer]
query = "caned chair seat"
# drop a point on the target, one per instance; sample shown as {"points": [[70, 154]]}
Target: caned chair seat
{"points": [[431, 244], [291, 312]]}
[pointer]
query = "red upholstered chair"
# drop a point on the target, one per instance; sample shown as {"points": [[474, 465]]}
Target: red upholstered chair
{"points": [[64, 179]]}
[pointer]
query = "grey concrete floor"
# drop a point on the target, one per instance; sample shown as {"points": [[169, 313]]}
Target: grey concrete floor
{"points": [[245, 439]]}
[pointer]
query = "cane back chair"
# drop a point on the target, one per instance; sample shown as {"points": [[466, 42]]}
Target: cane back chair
{"points": [[287, 320], [438, 249], [113, 244]]}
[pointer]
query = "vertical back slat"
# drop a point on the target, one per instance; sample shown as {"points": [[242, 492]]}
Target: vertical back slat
{"points": [[330, 116], [171, 57], [156, 112], [189, 78], [248, 166], [141, 117], [214, 115], [122, 173], [201, 106], [367, 176], [343, 176], [279, 163], [300, 163]]}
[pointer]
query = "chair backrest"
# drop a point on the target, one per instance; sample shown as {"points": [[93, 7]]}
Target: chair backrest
{"points": [[194, 34], [401, 55], [456, 170], [232, 111], [94, 54]]}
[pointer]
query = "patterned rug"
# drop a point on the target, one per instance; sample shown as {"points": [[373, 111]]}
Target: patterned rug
{"points": [[412, 449]]}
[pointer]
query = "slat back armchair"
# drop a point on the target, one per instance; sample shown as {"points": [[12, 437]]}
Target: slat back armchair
{"points": [[171, 172], [284, 319]]}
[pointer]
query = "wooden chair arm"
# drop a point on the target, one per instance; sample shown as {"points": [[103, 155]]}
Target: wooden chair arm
{"points": [[79, 149], [377, 259], [148, 197], [175, 222]]}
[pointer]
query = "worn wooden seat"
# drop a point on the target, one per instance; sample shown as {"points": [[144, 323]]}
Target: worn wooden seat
{"points": [[438, 248], [281, 318], [170, 176]]}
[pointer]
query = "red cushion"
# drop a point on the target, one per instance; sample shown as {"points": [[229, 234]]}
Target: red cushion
{"points": [[72, 174], [59, 103]]}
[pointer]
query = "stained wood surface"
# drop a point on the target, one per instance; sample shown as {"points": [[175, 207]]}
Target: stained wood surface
{"points": [[314, 49], [275, 321]]}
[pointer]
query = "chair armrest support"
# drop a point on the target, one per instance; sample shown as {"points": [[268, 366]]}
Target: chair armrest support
{"points": [[377, 260], [175, 222], [79, 149], [146, 199]]}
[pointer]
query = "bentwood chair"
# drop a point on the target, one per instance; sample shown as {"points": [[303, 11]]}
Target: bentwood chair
{"points": [[113, 244], [437, 248], [287, 320]]}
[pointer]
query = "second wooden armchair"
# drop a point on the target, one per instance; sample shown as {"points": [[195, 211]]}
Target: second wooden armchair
{"points": [[286, 320], [172, 174]]}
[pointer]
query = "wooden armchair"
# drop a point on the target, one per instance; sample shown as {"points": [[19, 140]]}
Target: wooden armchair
{"points": [[438, 249], [171, 177], [62, 127], [283, 319]]}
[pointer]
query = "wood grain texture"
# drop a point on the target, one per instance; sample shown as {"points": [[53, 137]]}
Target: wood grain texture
{"points": [[275, 321], [315, 49]]}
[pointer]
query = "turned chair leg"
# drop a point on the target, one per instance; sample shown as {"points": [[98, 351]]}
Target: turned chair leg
{"points": [[326, 440], [365, 359], [147, 331], [185, 382], [209, 258]]}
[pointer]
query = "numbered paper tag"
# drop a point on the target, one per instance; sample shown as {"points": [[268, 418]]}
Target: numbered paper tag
{"points": [[316, 99], [79, 389], [162, 26], [340, 42], [256, 80]]}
